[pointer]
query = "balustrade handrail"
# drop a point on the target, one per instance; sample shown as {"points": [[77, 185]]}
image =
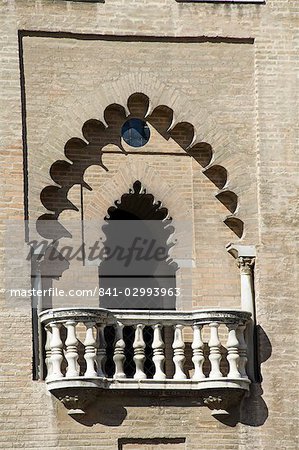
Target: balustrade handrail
{"points": [[145, 317], [142, 349], [146, 349]]}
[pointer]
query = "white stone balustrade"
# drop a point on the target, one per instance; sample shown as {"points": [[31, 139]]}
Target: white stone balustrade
{"points": [[119, 352], [178, 352], [139, 356], [101, 351], [215, 352], [48, 351], [90, 345], [71, 354], [55, 353], [158, 353], [218, 349], [198, 353]]}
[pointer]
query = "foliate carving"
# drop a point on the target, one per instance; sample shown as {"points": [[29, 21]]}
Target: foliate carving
{"points": [[246, 264]]}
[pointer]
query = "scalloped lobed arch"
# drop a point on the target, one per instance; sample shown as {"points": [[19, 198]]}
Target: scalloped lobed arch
{"points": [[82, 154]]}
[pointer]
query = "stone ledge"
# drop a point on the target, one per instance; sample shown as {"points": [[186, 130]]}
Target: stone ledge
{"points": [[148, 384], [220, 400]]}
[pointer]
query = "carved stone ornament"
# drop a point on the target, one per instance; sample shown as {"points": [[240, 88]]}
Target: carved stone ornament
{"points": [[76, 404], [212, 402], [218, 405], [221, 403], [246, 264]]}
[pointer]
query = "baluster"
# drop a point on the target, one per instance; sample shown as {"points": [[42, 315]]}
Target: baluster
{"points": [[242, 351], [178, 353], [101, 351], [139, 356], [119, 354], [233, 351], [56, 351], [71, 354], [158, 353], [48, 351], [198, 356], [215, 353], [90, 350]]}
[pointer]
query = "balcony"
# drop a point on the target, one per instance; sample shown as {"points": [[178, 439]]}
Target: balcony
{"points": [[202, 354]]}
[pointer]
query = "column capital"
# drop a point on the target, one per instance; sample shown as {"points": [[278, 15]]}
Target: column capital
{"points": [[238, 250], [245, 256], [246, 264]]}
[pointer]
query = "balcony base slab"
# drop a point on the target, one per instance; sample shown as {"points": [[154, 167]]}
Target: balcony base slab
{"points": [[218, 395]]}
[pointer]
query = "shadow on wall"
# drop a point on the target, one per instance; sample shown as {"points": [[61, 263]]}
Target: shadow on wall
{"points": [[253, 410], [110, 408]]}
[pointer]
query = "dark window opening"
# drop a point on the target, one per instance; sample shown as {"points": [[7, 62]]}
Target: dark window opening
{"points": [[139, 227], [135, 132]]}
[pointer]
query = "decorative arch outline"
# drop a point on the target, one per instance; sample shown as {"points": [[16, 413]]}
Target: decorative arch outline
{"points": [[85, 153]]}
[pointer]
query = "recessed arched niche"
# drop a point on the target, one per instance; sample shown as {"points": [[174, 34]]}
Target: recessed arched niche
{"points": [[137, 271]]}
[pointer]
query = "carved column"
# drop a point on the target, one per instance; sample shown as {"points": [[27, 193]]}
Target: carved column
{"points": [[178, 353], [90, 351], [139, 356], [71, 354], [245, 256], [119, 354], [198, 356], [215, 353], [158, 353], [246, 265]]}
